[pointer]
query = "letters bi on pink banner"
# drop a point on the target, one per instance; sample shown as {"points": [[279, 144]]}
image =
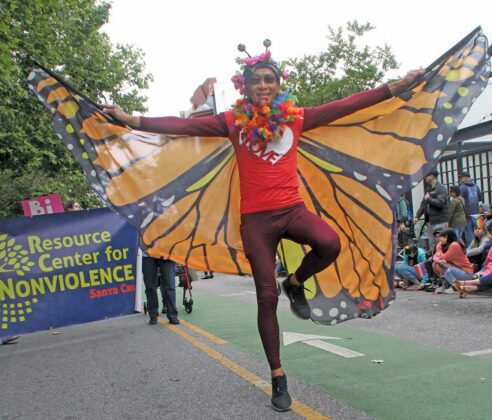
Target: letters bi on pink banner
{"points": [[47, 204]]}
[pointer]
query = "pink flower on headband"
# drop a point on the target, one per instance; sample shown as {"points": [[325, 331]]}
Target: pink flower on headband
{"points": [[239, 82], [251, 61]]}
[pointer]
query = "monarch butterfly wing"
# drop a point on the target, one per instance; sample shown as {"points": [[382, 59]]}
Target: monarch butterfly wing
{"points": [[182, 193], [353, 170]]}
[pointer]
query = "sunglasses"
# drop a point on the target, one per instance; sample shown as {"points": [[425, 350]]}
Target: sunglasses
{"points": [[268, 79]]}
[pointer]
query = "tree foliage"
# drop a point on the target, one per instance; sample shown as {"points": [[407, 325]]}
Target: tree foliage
{"points": [[344, 68], [66, 36]]}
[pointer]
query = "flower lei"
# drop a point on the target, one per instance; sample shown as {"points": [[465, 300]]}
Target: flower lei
{"points": [[262, 124]]}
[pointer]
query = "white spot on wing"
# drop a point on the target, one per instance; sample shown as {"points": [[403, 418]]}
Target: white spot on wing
{"points": [[383, 192], [333, 312], [168, 202], [148, 219], [359, 176]]}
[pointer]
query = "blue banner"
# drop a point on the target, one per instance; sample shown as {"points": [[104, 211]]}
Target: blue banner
{"points": [[64, 269]]}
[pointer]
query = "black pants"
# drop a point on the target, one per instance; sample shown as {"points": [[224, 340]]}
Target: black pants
{"points": [[168, 272]]}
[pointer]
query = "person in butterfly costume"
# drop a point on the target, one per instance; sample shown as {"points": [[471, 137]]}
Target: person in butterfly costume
{"points": [[264, 128]]}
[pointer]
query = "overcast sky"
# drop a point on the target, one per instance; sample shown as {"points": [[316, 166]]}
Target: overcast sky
{"points": [[187, 41]]}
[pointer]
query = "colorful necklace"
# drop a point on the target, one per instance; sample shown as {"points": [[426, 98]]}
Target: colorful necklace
{"points": [[264, 123]]}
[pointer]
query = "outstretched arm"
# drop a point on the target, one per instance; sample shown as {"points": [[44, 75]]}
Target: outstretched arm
{"points": [[212, 126], [320, 115]]}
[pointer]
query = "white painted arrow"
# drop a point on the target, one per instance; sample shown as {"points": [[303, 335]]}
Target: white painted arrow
{"points": [[315, 341], [290, 337]]}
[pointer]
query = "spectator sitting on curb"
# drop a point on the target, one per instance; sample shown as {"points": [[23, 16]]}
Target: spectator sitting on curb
{"points": [[410, 270], [483, 280], [433, 277], [450, 261], [477, 250]]}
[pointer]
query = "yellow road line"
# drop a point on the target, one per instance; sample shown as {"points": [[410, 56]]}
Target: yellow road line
{"points": [[298, 407], [214, 339]]}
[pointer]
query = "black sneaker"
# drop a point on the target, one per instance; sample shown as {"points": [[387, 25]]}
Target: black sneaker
{"points": [[430, 287], [281, 400], [174, 320], [298, 302], [153, 319]]}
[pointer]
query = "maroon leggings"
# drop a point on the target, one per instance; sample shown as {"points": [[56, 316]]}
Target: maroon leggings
{"points": [[261, 233]]}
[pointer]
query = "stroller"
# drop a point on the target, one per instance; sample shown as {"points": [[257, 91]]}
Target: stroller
{"points": [[185, 279]]}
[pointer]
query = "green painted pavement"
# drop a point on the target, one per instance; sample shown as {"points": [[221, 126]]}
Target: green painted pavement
{"points": [[415, 381]]}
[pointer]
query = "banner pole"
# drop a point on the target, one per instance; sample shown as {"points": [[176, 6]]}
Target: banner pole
{"points": [[138, 283]]}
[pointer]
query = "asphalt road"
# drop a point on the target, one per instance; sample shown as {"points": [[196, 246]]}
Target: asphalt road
{"points": [[212, 365]]}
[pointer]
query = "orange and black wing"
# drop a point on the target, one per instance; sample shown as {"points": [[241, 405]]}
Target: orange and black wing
{"points": [[182, 193], [353, 170]]}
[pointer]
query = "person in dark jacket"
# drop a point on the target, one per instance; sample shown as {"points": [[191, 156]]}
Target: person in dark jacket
{"points": [[434, 206], [473, 197]]}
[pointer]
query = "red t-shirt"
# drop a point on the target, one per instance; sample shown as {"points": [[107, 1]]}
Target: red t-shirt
{"points": [[268, 179]]}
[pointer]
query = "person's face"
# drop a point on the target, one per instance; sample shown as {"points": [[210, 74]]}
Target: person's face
{"points": [[452, 193], [428, 179], [262, 86], [75, 207], [443, 239]]}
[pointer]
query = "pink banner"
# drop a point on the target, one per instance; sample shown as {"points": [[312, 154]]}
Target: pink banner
{"points": [[47, 204]]}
